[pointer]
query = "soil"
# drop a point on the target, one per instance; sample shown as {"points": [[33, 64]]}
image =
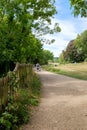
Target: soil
{"points": [[63, 104]]}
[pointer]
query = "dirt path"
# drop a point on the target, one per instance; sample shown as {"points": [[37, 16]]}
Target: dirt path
{"points": [[63, 104]]}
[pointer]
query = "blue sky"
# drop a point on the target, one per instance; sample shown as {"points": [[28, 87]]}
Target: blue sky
{"points": [[70, 27]]}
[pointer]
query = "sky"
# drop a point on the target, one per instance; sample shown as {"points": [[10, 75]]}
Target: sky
{"points": [[70, 27]]}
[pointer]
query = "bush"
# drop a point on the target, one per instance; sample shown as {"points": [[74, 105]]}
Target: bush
{"points": [[14, 115], [17, 110]]}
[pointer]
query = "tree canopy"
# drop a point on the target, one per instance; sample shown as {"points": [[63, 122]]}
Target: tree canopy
{"points": [[79, 7], [22, 22]]}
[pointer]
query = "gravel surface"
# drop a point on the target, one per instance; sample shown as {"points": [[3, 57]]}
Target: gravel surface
{"points": [[63, 104]]}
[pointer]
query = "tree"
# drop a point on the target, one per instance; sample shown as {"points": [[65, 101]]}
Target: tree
{"points": [[71, 54], [19, 20], [81, 43], [79, 7], [34, 50], [46, 56], [34, 14], [24, 17], [61, 57]]}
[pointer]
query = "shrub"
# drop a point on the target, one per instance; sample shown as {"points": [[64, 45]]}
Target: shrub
{"points": [[17, 111], [14, 115]]}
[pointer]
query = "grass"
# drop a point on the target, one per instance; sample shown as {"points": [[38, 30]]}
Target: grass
{"points": [[78, 70]]}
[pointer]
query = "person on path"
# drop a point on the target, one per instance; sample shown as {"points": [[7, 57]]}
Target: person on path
{"points": [[37, 67]]}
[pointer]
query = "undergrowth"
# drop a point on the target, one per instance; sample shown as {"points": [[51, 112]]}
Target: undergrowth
{"points": [[17, 111]]}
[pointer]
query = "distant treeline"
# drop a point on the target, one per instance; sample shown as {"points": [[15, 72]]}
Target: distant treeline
{"points": [[76, 50]]}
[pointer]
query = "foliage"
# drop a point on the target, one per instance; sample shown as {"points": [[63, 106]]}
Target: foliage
{"points": [[19, 21], [17, 111], [46, 56], [71, 53], [8, 118], [21, 24], [76, 50], [34, 49], [62, 57], [81, 43], [15, 114], [79, 7]]}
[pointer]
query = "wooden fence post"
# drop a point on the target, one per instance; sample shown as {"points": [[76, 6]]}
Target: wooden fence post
{"points": [[24, 74]]}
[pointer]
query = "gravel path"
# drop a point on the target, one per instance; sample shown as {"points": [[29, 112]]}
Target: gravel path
{"points": [[63, 104]]}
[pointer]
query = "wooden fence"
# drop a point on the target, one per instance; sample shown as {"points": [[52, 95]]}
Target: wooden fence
{"points": [[24, 74]]}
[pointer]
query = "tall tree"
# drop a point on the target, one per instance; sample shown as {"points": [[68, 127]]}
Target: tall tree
{"points": [[19, 19], [30, 14]]}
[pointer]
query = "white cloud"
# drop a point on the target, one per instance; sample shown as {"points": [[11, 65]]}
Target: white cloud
{"points": [[57, 46], [70, 29], [82, 24]]}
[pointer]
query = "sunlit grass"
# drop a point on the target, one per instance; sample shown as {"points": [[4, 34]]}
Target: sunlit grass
{"points": [[78, 70]]}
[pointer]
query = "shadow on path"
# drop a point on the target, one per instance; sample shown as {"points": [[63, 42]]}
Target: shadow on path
{"points": [[63, 104]]}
